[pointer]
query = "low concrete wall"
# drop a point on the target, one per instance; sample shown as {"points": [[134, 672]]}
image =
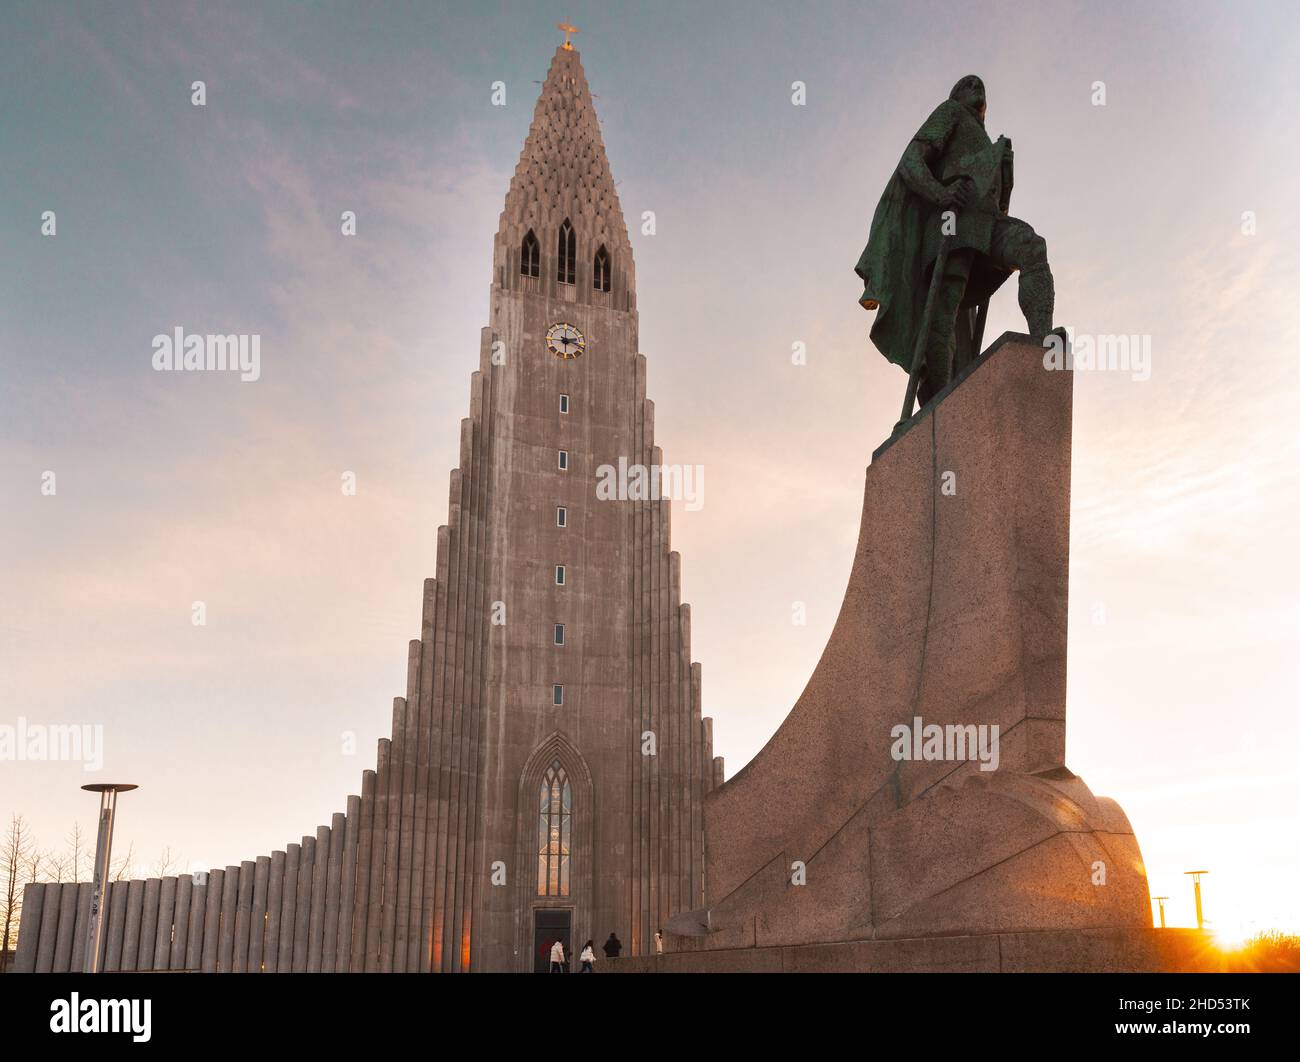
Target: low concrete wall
{"points": [[1049, 951]]}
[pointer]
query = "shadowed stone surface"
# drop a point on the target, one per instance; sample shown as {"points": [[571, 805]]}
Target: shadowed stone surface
{"points": [[955, 612]]}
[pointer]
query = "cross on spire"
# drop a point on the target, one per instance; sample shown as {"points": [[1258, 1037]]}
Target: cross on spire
{"points": [[568, 31]]}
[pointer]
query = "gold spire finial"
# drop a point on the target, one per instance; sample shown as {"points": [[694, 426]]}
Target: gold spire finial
{"points": [[567, 45]]}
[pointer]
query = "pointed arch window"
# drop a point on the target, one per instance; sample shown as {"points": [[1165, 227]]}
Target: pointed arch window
{"points": [[554, 827], [567, 255], [600, 271], [530, 256]]}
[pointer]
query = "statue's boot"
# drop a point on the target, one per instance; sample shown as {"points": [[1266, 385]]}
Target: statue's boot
{"points": [[1037, 298]]}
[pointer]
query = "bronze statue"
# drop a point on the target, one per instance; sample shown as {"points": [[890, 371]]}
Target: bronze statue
{"points": [[941, 243]]}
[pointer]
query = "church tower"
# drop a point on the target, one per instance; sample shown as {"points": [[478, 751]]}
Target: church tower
{"points": [[548, 765], [594, 754]]}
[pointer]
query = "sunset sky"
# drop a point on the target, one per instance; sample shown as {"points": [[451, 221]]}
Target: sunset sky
{"points": [[1169, 211]]}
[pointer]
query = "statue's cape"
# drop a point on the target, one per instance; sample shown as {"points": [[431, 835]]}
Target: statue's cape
{"points": [[895, 267], [892, 268]]}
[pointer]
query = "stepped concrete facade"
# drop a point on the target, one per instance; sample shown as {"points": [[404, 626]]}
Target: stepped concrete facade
{"points": [[548, 763]]}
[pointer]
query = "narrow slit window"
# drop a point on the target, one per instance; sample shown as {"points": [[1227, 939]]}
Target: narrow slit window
{"points": [[566, 268], [600, 271], [561, 516], [564, 403], [559, 634], [563, 460], [559, 575], [530, 256], [557, 694]]}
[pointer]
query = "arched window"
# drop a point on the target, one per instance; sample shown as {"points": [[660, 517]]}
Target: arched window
{"points": [[567, 255], [600, 270], [530, 257], [554, 824]]}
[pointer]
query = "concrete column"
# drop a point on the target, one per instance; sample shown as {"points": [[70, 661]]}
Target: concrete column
{"points": [[149, 923], [176, 959], [392, 835], [47, 936], [697, 762], [77, 960], [683, 685], [456, 686], [134, 914], [274, 907], [289, 907], [229, 915], [166, 915], [456, 863], [116, 925], [418, 960], [361, 904], [474, 864], [29, 933], [257, 917], [673, 710], [333, 883], [375, 896], [243, 916], [467, 698], [319, 887], [348, 887], [302, 914], [655, 546], [67, 925], [212, 920], [640, 716], [440, 756], [406, 808], [194, 932]]}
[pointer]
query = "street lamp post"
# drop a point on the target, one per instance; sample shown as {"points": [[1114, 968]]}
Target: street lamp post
{"points": [[1196, 885], [107, 791], [1161, 901]]}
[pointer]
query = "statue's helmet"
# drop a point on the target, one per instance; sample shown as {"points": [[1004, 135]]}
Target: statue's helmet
{"points": [[970, 81]]}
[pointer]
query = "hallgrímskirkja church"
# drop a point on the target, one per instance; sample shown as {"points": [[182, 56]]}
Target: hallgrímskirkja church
{"points": [[548, 764]]}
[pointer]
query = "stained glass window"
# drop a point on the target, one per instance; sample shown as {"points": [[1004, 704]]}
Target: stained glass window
{"points": [[554, 819]]}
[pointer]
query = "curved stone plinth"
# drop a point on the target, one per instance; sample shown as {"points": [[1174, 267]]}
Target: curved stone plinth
{"points": [[955, 615]]}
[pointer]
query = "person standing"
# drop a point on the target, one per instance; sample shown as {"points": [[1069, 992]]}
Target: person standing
{"points": [[613, 947], [587, 958], [659, 943], [557, 957]]}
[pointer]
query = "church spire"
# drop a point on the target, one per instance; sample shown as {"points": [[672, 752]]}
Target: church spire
{"points": [[564, 174]]}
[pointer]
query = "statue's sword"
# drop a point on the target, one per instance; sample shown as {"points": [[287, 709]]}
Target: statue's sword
{"points": [[927, 315]]}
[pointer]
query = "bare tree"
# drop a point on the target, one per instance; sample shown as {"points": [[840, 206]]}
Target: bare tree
{"points": [[33, 862], [125, 867], [58, 867], [13, 863], [166, 865], [76, 850]]}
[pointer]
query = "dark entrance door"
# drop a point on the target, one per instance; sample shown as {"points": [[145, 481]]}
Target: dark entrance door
{"points": [[550, 925]]}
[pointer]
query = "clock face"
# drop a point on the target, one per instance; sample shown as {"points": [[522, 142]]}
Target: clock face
{"points": [[565, 341]]}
